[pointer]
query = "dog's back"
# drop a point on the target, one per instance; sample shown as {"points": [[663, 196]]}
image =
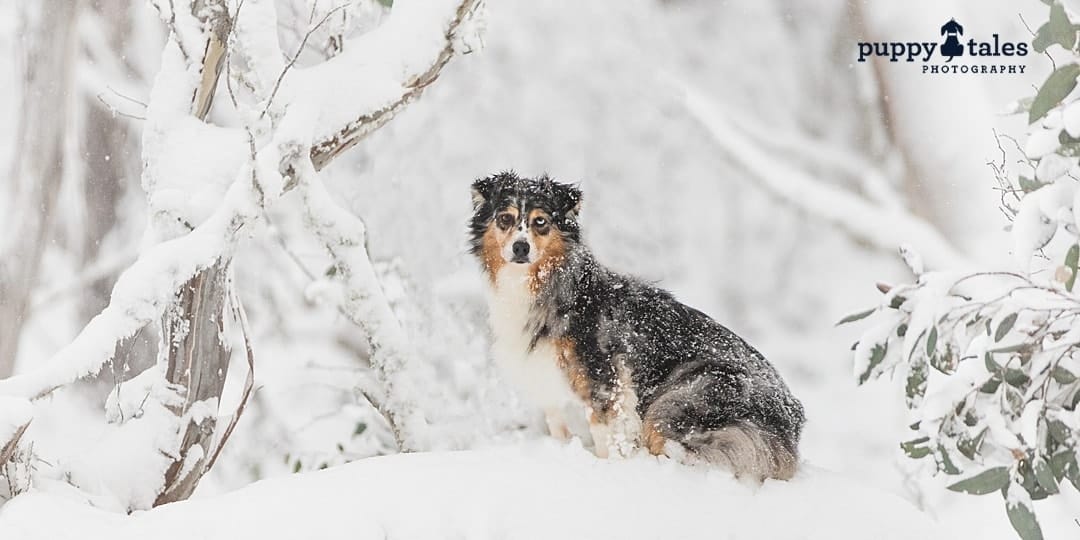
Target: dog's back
{"points": [[698, 385]]}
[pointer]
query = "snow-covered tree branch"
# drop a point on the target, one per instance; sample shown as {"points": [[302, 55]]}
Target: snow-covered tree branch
{"points": [[207, 185]]}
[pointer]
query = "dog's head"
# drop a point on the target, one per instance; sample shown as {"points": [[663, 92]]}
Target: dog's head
{"points": [[523, 221]]}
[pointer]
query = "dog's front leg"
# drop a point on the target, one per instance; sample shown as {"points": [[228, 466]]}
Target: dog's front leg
{"points": [[601, 436], [556, 424]]}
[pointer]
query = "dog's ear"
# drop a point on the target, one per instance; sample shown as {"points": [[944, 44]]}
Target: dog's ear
{"points": [[482, 190], [569, 200]]}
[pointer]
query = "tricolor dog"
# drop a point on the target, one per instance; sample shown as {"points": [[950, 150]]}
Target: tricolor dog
{"points": [[648, 371]]}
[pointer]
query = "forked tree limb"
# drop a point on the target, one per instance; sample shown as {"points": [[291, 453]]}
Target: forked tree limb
{"points": [[324, 151]]}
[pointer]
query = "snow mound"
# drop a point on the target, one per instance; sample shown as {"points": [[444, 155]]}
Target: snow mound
{"points": [[538, 490]]}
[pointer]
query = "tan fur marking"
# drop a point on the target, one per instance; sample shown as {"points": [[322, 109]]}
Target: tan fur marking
{"points": [[571, 366], [493, 241], [652, 439], [550, 246]]}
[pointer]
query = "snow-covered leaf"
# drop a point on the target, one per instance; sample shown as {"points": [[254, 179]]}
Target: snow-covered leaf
{"points": [[1045, 476], [1004, 326], [1062, 375], [988, 481], [1021, 515], [916, 448]]}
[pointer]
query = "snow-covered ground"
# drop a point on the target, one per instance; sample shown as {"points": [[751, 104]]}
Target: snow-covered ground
{"points": [[541, 490], [582, 90]]}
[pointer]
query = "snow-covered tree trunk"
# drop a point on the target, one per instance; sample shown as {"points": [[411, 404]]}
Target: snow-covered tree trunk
{"points": [[193, 342], [294, 122], [38, 164]]}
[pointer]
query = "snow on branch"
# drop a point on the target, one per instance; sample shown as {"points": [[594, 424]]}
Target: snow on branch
{"points": [[142, 293], [365, 304], [337, 103], [381, 72], [883, 227]]}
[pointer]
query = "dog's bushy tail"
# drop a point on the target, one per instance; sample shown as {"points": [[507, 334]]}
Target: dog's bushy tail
{"points": [[744, 449], [704, 418]]}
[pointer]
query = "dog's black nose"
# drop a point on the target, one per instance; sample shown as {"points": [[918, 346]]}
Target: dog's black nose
{"points": [[521, 249]]}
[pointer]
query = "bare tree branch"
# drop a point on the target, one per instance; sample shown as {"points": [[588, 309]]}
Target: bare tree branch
{"points": [[883, 228]]}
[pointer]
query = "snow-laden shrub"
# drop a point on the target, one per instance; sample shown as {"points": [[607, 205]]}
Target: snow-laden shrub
{"points": [[992, 359]]}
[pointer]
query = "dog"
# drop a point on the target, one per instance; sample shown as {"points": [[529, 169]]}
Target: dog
{"points": [[647, 371]]}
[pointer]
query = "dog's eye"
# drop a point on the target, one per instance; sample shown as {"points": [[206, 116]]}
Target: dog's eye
{"points": [[539, 222], [505, 221]]}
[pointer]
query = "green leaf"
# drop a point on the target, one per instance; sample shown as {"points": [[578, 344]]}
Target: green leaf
{"points": [[1061, 462], [1057, 86], [1016, 377], [877, 354], [988, 481], [360, 429], [1004, 326], [970, 447], [901, 330], [1045, 476], [1061, 30], [1011, 348], [856, 316], [931, 342], [386, 3], [1071, 260], [1023, 520], [1062, 375], [991, 386], [897, 301], [1043, 39], [1058, 431], [1014, 399], [916, 381], [991, 365], [296, 466], [945, 463], [913, 450], [1027, 185], [1028, 481]]}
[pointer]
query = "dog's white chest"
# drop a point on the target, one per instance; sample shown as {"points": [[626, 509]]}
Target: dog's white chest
{"points": [[535, 374]]}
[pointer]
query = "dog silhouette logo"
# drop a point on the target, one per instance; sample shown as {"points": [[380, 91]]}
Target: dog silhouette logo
{"points": [[952, 46]]}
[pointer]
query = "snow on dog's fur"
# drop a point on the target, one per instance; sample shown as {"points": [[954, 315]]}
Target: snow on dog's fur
{"points": [[649, 371]]}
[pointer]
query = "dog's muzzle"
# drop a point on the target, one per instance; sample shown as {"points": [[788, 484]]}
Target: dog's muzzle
{"points": [[521, 252]]}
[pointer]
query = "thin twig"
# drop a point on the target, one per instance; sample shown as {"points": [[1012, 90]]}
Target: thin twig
{"points": [[117, 112], [295, 57]]}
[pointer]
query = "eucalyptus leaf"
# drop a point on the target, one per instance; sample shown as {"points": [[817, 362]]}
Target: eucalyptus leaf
{"points": [[1062, 375], [1071, 260], [1023, 519], [856, 316], [1045, 476], [1061, 30], [1004, 326], [1057, 86], [988, 481], [877, 354]]}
